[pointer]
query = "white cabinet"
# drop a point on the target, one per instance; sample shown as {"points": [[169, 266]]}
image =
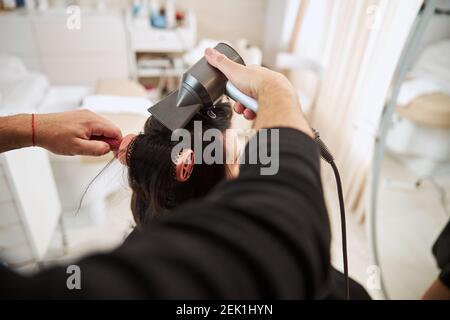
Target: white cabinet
{"points": [[29, 206], [160, 48], [155, 40]]}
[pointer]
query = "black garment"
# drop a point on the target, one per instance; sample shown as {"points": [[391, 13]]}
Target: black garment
{"points": [[258, 236], [441, 252]]}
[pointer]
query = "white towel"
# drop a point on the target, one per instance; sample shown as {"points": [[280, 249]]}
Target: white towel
{"points": [[117, 104]]}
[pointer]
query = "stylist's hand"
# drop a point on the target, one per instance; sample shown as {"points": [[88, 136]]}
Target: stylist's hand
{"points": [[250, 80], [70, 133], [278, 102]]}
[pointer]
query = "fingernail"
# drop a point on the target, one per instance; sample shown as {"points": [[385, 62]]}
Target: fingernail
{"points": [[106, 148], [208, 51], [211, 52]]}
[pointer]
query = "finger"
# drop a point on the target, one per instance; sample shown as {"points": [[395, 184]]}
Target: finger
{"points": [[238, 108], [249, 114], [114, 144], [106, 129], [232, 70], [92, 147]]}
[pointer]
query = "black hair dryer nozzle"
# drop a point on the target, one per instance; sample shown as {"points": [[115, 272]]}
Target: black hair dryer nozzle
{"points": [[201, 86]]}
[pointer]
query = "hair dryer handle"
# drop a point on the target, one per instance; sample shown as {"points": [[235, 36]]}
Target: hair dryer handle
{"points": [[237, 95]]}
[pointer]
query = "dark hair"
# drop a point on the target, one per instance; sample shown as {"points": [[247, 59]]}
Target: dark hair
{"points": [[151, 171]]}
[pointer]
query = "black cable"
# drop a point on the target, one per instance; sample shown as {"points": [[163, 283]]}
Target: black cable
{"points": [[442, 11], [328, 157], [343, 227]]}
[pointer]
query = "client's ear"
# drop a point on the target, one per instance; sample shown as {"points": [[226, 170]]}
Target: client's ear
{"points": [[184, 165]]}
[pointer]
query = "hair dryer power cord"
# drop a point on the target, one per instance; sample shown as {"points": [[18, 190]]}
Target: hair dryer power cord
{"points": [[328, 157]]}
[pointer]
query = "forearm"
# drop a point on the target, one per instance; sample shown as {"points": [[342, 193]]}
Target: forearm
{"points": [[15, 132], [65, 133]]}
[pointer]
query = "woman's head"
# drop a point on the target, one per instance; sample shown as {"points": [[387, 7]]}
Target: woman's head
{"points": [[152, 173]]}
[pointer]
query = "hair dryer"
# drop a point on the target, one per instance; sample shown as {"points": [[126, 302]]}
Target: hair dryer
{"points": [[201, 87]]}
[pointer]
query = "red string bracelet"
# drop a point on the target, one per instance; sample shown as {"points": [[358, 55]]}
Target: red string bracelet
{"points": [[33, 141]]}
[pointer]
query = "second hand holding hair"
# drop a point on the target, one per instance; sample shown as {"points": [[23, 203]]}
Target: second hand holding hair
{"points": [[79, 132]]}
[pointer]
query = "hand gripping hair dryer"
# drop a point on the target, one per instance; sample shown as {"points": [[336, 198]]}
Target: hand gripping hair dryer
{"points": [[201, 87]]}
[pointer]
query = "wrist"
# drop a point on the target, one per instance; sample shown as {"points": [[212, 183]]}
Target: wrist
{"points": [[40, 130], [276, 85], [21, 126], [279, 106], [276, 92]]}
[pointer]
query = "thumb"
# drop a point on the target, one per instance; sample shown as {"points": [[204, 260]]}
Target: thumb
{"points": [[232, 70], [92, 147]]}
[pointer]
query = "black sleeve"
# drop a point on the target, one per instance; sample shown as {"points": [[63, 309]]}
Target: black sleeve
{"points": [[259, 236], [441, 252]]}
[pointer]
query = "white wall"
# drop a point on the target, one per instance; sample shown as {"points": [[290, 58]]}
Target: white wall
{"points": [[224, 19], [276, 34], [437, 30], [97, 50], [229, 19]]}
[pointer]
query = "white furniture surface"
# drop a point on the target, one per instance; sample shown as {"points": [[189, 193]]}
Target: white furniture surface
{"points": [[425, 150], [29, 201], [29, 206], [67, 56]]}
